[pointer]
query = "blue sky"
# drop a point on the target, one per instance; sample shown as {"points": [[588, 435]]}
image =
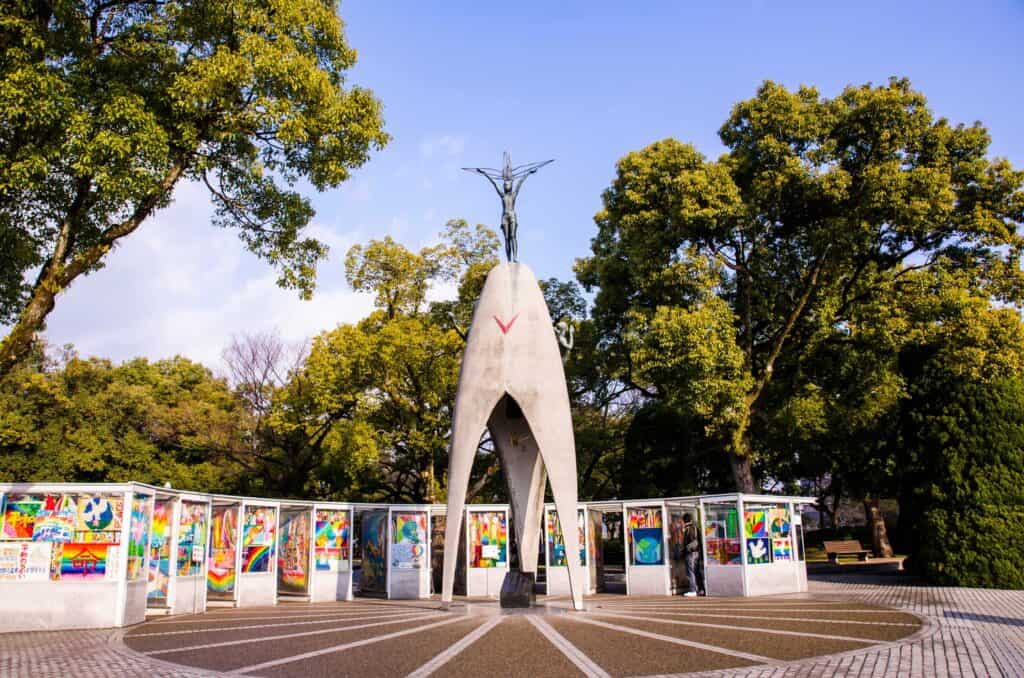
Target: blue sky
{"points": [[581, 82]]}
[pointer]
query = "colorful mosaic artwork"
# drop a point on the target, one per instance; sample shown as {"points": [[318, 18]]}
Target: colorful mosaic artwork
{"points": [[778, 521], [331, 542], [409, 543], [782, 549], [55, 521], [293, 553], [99, 513], [374, 534], [220, 570], [138, 536], [25, 561], [88, 562], [258, 527], [488, 539], [647, 546], [755, 523], [758, 551], [20, 517], [555, 542]]}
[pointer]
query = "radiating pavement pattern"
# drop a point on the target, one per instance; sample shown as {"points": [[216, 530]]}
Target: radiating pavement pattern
{"points": [[840, 628]]}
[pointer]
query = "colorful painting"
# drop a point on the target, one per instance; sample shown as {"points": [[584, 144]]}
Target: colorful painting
{"points": [[778, 521], [597, 551], [88, 562], [331, 543], [373, 578], [647, 546], [782, 549], [159, 574], [258, 528], [755, 523], [20, 517], [644, 517], [99, 513], [488, 539], [191, 538], [25, 561], [409, 542], [293, 553], [256, 559], [555, 541], [758, 551], [87, 537], [220, 570], [138, 536], [55, 521], [721, 551], [328, 559]]}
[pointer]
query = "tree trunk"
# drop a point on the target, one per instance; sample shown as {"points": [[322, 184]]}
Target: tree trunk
{"points": [[17, 344], [742, 472], [876, 521]]}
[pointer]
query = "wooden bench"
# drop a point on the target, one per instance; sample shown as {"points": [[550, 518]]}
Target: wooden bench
{"points": [[849, 547]]}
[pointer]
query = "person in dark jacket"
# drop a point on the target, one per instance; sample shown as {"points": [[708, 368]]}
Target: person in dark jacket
{"points": [[692, 560]]}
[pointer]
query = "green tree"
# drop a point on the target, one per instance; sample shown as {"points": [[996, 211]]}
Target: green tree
{"points": [[368, 412], [107, 106], [964, 486], [90, 421], [713, 275]]}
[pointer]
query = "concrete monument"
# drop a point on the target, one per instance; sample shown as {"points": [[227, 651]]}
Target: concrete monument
{"points": [[512, 381]]}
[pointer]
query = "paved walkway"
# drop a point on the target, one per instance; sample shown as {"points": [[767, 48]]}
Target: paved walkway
{"points": [[967, 632]]}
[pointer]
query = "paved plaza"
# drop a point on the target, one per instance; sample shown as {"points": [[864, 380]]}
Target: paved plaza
{"points": [[848, 626]]}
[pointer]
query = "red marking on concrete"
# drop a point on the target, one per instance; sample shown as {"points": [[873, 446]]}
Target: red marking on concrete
{"points": [[505, 328]]}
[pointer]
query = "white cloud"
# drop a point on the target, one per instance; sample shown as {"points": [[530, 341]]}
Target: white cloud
{"points": [[445, 145], [182, 286]]}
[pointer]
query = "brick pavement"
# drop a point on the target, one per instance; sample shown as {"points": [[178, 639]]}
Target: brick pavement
{"points": [[968, 632]]}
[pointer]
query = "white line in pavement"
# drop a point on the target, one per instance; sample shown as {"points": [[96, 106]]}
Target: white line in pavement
{"points": [[631, 608], [784, 619], [573, 653], [340, 648], [446, 656], [218, 629], [284, 614], [805, 634], [406, 618], [678, 641]]}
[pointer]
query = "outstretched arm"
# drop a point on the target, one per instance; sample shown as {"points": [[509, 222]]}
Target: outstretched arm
{"points": [[490, 179], [528, 172]]}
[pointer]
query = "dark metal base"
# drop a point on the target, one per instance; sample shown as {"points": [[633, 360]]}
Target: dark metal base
{"points": [[517, 589]]}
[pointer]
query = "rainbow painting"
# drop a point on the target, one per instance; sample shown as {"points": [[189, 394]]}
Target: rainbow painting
{"points": [[221, 581], [85, 562], [782, 549], [55, 521], [644, 517], [755, 524], [20, 518], [256, 559], [488, 538]]}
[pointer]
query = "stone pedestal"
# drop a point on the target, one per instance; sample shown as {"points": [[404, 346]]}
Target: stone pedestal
{"points": [[518, 589]]}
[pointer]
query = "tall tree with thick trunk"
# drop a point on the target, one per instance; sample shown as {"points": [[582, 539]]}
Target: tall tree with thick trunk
{"points": [[713, 275], [107, 106]]}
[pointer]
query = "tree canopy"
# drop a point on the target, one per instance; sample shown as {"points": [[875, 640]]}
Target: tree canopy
{"points": [[107, 106], [713, 276]]}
